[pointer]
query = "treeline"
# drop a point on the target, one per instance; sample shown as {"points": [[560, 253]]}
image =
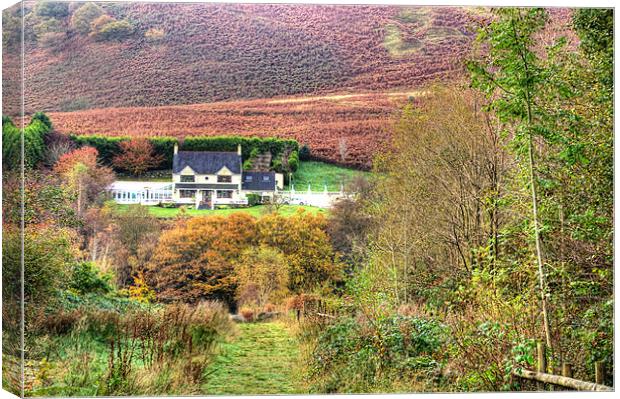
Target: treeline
{"points": [[489, 226], [34, 146], [284, 152]]}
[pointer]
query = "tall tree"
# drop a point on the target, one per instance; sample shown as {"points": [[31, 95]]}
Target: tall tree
{"points": [[516, 80]]}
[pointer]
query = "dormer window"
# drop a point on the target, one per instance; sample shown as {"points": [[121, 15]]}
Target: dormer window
{"points": [[224, 179], [187, 179]]}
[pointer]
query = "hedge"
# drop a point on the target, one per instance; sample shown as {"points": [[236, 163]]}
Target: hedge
{"points": [[34, 142], [108, 146]]}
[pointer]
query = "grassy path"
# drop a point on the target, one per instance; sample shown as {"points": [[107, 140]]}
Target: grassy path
{"points": [[262, 359]]}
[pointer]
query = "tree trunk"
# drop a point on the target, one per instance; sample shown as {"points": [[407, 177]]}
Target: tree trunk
{"points": [[539, 255]]}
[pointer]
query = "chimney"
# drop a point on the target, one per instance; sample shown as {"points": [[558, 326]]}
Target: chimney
{"points": [[176, 148], [239, 149]]}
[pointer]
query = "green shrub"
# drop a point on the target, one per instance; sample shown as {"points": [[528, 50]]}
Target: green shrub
{"points": [[85, 278], [83, 17], [353, 356], [51, 9], [248, 164], [115, 30], [304, 153], [40, 116], [34, 142], [253, 199], [293, 161]]}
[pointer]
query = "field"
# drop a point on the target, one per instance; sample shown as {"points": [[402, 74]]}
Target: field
{"points": [[256, 211], [215, 52], [345, 129], [319, 174]]}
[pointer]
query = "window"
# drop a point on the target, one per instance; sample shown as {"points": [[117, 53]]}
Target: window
{"points": [[224, 194], [224, 179], [187, 179], [187, 193], [248, 178], [265, 178]]}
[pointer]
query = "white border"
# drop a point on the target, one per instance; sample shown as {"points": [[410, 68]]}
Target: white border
{"points": [[505, 3]]}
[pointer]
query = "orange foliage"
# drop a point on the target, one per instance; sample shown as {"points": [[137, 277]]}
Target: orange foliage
{"points": [[196, 259], [137, 156], [84, 155]]}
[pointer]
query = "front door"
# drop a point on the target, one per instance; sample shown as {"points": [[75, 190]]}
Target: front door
{"points": [[206, 198]]}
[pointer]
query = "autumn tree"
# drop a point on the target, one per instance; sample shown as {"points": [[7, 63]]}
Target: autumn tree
{"points": [[135, 233], [303, 240], [195, 260], [262, 276], [137, 156], [436, 202], [84, 176], [516, 80], [83, 17]]}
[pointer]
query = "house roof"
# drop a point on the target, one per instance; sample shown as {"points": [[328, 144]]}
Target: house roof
{"points": [[258, 181], [206, 162]]}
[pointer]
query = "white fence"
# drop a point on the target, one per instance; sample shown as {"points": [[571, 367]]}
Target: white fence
{"points": [[154, 193], [324, 199]]}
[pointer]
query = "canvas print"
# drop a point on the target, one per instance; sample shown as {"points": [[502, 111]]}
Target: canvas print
{"points": [[240, 199]]}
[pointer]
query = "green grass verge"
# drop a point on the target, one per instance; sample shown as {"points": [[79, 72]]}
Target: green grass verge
{"points": [[262, 359], [256, 211], [317, 174]]}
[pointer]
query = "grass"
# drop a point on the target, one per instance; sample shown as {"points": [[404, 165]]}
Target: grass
{"points": [[256, 211], [395, 44], [317, 174], [263, 359]]}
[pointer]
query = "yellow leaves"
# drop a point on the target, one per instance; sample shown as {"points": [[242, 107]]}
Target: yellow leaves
{"points": [[198, 257], [140, 290]]}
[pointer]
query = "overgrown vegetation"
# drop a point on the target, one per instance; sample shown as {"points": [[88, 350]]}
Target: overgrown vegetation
{"points": [[478, 220]]}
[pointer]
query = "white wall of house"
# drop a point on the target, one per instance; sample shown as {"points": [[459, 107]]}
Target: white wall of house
{"points": [[280, 181], [198, 178]]}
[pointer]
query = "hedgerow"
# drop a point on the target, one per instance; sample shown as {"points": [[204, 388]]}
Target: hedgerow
{"points": [[34, 142], [108, 147]]}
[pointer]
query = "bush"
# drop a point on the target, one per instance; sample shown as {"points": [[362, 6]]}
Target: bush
{"points": [[51, 9], [40, 116], [304, 153], [253, 199], [293, 161], [154, 34], [115, 30], [85, 278], [359, 356], [83, 17], [34, 142]]}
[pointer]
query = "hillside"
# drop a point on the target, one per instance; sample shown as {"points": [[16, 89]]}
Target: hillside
{"points": [[198, 53], [347, 129]]}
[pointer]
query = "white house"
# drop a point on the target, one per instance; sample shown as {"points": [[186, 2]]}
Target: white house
{"points": [[209, 178], [204, 179]]}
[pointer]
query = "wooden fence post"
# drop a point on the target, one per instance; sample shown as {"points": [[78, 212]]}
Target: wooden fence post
{"points": [[567, 370], [542, 357], [542, 361], [599, 372]]}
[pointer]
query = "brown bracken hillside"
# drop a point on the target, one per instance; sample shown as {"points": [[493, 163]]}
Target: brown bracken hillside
{"points": [[195, 53], [345, 129]]}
